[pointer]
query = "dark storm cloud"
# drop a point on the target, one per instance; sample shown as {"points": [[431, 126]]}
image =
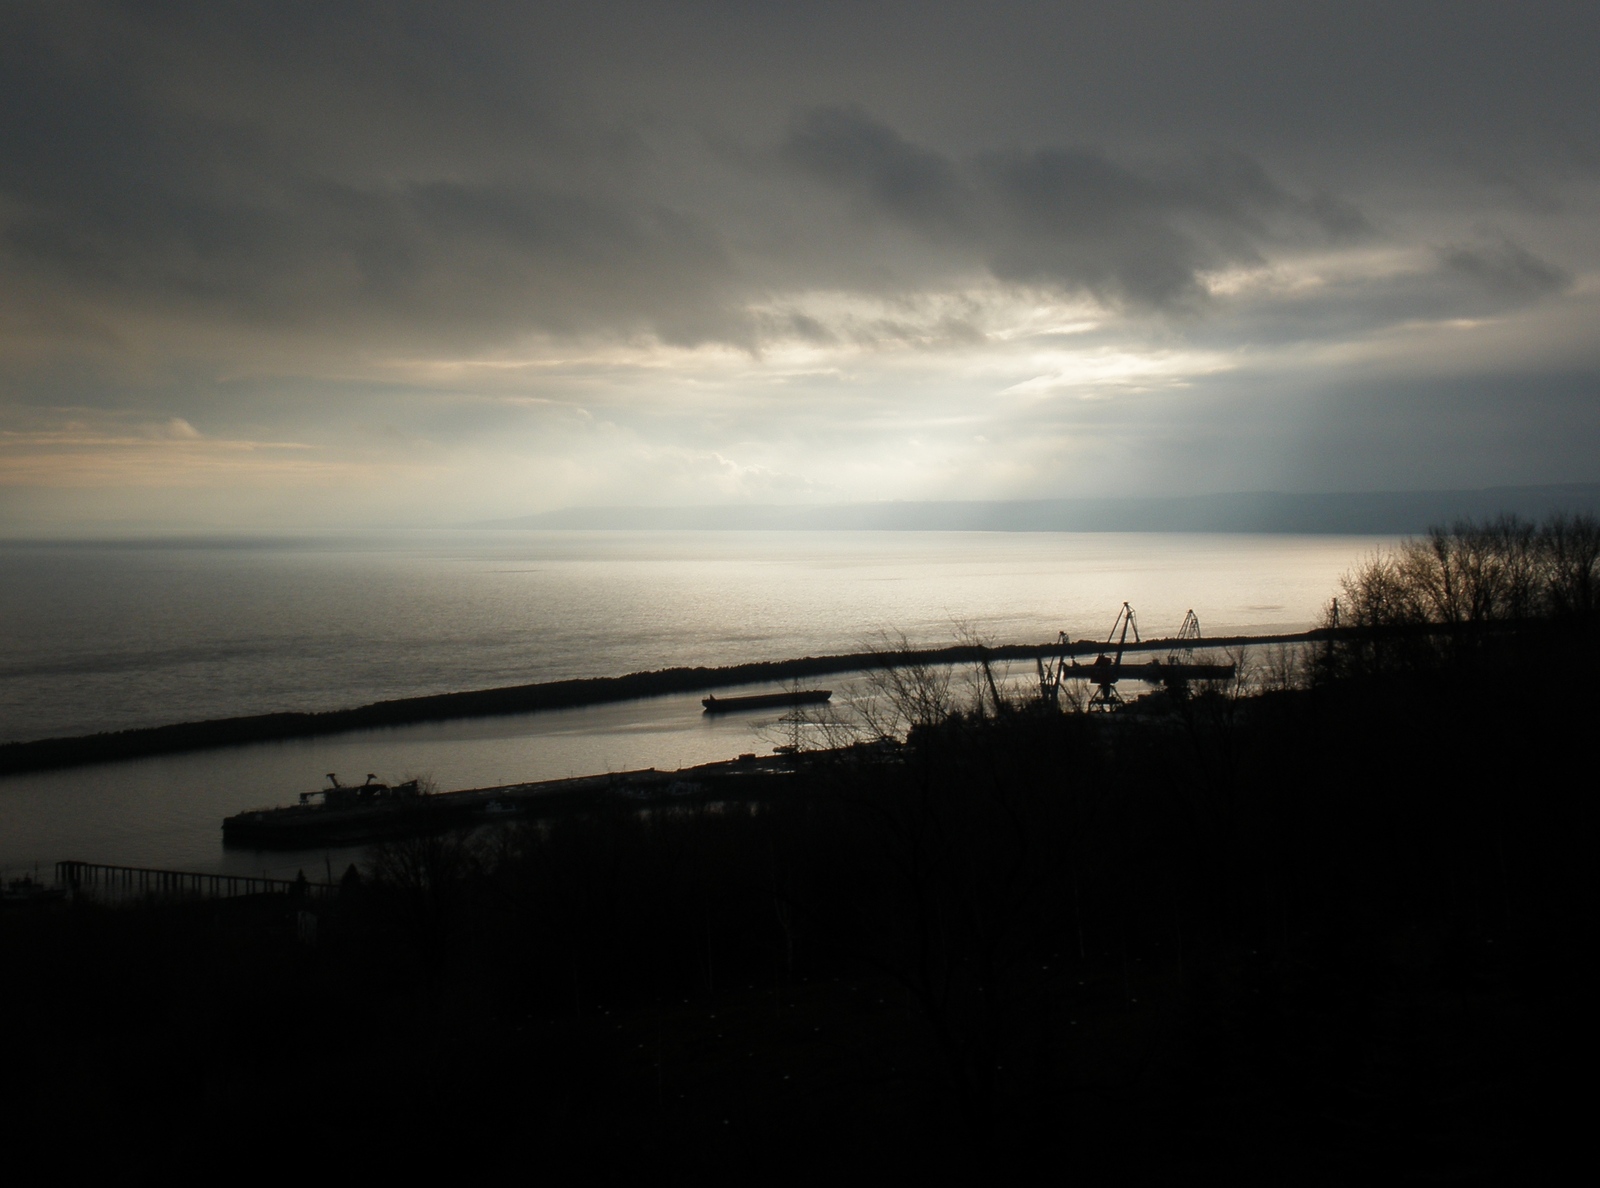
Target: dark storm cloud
{"points": [[337, 175], [1071, 218], [399, 170], [200, 170], [1486, 278], [1079, 220], [1506, 270], [845, 147]]}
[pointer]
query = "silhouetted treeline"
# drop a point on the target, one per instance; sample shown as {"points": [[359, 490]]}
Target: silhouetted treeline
{"points": [[1472, 578], [1324, 934], [1505, 569]]}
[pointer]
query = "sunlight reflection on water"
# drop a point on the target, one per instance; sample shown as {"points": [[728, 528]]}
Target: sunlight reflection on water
{"points": [[100, 637]]}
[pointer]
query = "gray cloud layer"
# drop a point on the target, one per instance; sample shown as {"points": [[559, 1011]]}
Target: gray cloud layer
{"points": [[394, 165], [189, 191], [1068, 218]]}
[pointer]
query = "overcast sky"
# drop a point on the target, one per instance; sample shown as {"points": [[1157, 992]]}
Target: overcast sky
{"points": [[300, 265]]}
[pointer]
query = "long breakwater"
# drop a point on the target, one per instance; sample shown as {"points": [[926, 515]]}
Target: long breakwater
{"points": [[54, 753]]}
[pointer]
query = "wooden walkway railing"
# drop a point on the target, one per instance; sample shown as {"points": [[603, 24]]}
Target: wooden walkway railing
{"points": [[123, 881]]}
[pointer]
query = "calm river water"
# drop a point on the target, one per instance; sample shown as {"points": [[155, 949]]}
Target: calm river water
{"points": [[105, 637]]}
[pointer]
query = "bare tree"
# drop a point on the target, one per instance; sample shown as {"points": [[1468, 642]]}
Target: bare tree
{"points": [[1570, 552], [1282, 667], [906, 690]]}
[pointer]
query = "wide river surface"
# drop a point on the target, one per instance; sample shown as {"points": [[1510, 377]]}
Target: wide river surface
{"points": [[110, 636]]}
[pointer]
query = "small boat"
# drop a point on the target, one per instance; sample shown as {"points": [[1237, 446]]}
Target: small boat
{"points": [[729, 705]]}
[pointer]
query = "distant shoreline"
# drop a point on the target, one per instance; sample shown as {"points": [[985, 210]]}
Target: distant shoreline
{"points": [[1238, 513], [109, 747], [1369, 513]]}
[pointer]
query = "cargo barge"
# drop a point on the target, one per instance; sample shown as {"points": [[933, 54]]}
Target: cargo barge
{"points": [[757, 701]]}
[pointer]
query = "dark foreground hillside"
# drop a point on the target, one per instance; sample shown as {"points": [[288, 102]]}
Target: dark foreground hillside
{"points": [[1332, 933]]}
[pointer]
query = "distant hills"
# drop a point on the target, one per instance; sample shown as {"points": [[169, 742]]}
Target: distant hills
{"points": [[1377, 513]]}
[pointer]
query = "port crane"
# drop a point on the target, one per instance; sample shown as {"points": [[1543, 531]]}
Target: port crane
{"points": [[1108, 667], [1106, 670], [1188, 636]]}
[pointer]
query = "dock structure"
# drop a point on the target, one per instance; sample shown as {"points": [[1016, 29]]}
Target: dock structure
{"points": [[123, 882], [313, 826]]}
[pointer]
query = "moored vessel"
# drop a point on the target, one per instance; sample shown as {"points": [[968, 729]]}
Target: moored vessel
{"points": [[728, 705]]}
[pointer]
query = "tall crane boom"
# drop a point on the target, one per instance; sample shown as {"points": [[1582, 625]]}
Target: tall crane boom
{"points": [[1107, 670]]}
